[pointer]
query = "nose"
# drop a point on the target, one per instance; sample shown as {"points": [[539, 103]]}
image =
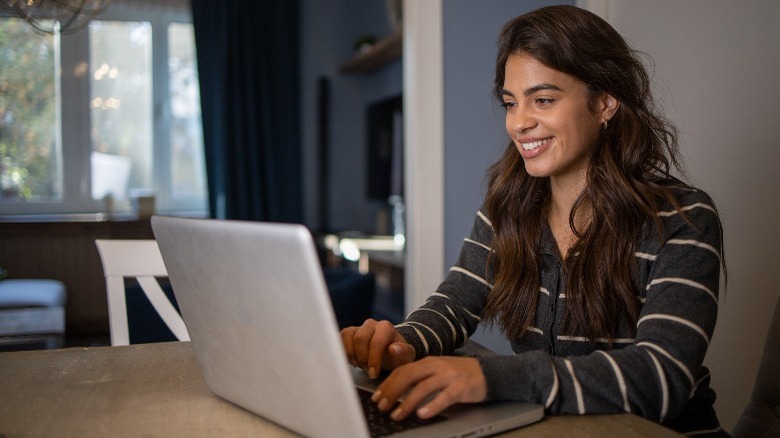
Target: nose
{"points": [[519, 120]]}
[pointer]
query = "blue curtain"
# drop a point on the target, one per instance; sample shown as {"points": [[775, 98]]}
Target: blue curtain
{"points": [[248, 67]]}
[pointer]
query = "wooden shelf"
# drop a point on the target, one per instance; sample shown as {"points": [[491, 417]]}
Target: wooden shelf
{"points": [[383, 52]]}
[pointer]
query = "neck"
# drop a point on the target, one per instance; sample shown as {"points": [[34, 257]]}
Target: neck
{"points": [[564, 192], [563, 197]]}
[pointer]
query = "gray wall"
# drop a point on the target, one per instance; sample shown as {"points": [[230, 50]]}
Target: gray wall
{"points": [[717, 65], [328, 32]]}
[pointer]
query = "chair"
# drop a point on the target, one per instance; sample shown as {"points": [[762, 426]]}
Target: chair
{"points": [[139, 259], [761, 417]]}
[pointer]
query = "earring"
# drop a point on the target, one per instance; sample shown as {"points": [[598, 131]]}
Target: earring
{"points": [[605, 124]]}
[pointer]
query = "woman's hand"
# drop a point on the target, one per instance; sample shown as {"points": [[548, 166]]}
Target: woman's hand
{"points": [[376, 346], [444, 380]]}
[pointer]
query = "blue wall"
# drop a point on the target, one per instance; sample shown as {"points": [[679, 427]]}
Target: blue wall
{"points": [[328, 32]]}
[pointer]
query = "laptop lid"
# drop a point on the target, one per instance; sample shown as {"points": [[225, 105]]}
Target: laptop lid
{"points": [[260, 319]]}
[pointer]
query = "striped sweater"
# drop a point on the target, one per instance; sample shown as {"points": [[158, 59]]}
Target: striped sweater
{"points": [[656, 373]]}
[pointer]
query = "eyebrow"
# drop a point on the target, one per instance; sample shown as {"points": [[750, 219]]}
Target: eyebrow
{"points": [[534, 89]]}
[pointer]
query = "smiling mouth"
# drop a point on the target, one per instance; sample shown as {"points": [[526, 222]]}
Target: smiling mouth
{"points": [[534, 144]]}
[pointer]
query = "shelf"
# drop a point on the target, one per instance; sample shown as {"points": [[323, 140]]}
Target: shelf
{"points": [[383, 52]]}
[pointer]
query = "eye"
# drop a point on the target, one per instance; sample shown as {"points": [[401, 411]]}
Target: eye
{"points": [[544, 101], [508, 104]]}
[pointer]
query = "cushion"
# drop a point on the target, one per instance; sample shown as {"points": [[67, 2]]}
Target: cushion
{"points": [[20, 293]]}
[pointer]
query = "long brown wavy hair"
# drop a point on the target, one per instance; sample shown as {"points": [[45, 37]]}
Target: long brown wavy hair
{"points": [[629, 173]]}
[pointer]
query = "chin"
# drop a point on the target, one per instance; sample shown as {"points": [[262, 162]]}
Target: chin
{"points": [[536, 172]]}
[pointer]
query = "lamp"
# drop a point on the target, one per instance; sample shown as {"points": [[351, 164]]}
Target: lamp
{"points": [[67, 16]]}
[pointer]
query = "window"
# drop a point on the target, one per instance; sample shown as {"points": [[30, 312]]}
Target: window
{"points": [[29, 150], [89, 121]]}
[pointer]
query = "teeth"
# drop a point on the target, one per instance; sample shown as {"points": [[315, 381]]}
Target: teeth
{"points": [[534, 144]]}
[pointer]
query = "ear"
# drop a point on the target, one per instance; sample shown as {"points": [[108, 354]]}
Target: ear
{"points": [[607, 106]]}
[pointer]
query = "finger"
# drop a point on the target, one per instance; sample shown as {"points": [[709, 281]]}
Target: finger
{"points": [[384, 335], [424, 390], [362, 341], [401, 353], [399, 382], [440, 402], [347, 339]]}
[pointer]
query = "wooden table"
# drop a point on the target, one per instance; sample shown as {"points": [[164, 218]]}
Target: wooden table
{"points": [[158, 390]]}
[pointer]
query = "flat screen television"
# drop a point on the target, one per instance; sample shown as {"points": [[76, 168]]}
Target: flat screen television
{"points": [[385, 148]]}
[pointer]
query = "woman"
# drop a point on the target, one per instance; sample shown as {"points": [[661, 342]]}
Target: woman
{"points": [[600, 267]]}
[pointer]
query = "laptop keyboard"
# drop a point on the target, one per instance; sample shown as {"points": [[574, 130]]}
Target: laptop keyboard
{"points": [[379, 422]]}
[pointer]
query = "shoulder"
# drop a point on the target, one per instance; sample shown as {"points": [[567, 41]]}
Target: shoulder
{"points": [[685, 198], [689, 214]]}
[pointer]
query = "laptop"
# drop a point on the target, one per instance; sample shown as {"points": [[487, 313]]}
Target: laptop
{"points": [[265, 335]]}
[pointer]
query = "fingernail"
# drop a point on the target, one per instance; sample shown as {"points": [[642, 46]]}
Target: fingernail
{"points": [[423, 412], [383, 405], [396, 415], [377, 394], [372, 373]]}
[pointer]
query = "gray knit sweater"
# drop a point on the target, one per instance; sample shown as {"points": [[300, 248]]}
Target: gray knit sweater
{"points": [[657, 373]]}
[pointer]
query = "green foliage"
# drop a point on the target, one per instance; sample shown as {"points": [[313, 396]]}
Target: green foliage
{"points": [[27, 112]]}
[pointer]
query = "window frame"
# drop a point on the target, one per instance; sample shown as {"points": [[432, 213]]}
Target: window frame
{"points": [[75, 118]]}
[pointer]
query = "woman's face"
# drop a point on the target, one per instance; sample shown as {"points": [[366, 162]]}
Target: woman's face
{"points": [[549, 118]]}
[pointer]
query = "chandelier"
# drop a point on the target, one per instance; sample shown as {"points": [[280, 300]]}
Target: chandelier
{"points": [[55, 16]]}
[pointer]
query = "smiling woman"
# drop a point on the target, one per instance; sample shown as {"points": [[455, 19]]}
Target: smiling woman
{"points": [[600, 266]]}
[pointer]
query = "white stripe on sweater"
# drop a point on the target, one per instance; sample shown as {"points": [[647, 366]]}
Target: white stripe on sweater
{"points": [[484, 218], [602, 340], [419, 336], [535, 330], [472, 275], [554, 389], [703, 432], [439, 294], [695, 243], [646, 256], [686, 208], [674, 360], [577, 387], [686, 282], [683, 321], [462, 327], [447, 320], [664, 387], [472, 241], [698, 244], [619, 377], [422, 338], [466, 311]]}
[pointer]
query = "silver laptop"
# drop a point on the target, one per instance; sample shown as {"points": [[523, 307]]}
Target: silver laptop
{"points": [[257, 309]]}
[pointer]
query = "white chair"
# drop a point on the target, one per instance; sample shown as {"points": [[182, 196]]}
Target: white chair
{"points": [[140, 259]]}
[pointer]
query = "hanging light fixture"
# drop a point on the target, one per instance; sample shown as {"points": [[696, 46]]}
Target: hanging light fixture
{"points": [[55, 16]]}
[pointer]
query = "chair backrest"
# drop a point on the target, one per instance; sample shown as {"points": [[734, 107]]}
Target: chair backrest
{"points": [[761, 417], [139, 259]]}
